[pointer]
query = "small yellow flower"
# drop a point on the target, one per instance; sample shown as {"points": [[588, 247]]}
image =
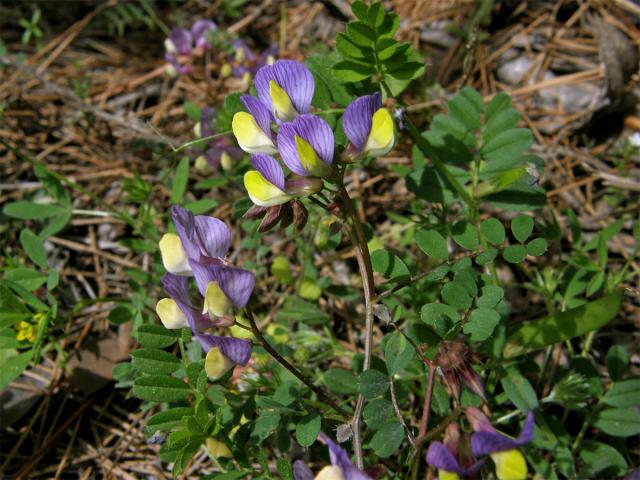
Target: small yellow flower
{"points": [[26, 331]]}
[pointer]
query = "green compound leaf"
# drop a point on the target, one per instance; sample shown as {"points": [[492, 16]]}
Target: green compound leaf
{"points": [[491, 296], [433, 244], [537, 247], [563, 326], [154, 361], [167, 420], [388, 265], [514, 253], [307, 429], [465, 235], [339, 380], [155, 336], [398, 353], [493, 230], [522, 226], [373, 383], [617, 362], [13, 367], [377, 412], [624, 394], [455, 294], [519, 390], [488, 256], [601, 459], [619, 422], [482, 322], [160, 388], [387, 440]]}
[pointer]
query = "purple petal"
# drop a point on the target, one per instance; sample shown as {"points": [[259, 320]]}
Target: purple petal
{"points": [[313, 130], [178, 289], [269, 168], [340, 458], [301, 471], [236, 283], [213, 236], [357, 118], [440, 457], [212, 156], [487, 442], [259, 112], [200, 31], [235, 349], [182, 40], [526, 435], [293, 77], [184, 222]]}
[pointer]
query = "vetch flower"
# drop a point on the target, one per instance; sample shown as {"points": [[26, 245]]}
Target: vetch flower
{"points": [[341, 467], [504, 451], [200, 32], [286, 88], [452, 462], [368, 126], [306, 146], [252, 129], [223, 353], [266, 185]]}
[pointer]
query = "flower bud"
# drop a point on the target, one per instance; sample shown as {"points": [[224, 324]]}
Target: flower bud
{"points": [[300, 215], [303, 186], [202, 164], [226, 161], [256, 211], [271, 218], [286, 215], [197, 129]]}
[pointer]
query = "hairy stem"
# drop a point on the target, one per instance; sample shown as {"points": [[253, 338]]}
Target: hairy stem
{"points": [[366, 272], [298, 374]]}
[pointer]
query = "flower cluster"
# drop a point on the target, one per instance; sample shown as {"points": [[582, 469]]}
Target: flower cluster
{"points": [[182, 44], [455, 460], [199, 249], [279, 121]]}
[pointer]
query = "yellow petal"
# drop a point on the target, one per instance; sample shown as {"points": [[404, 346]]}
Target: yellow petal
{"points": [[216, 364], [283, 109], [174, 258], [262, 192], [510, 465], [201, 164], [249, 135], [216, 302], [444, 475], [197, 129], [170, 314], [226, 70], [218, 449], [309, 159], [330, 472], [240, 55], [381, 136]]}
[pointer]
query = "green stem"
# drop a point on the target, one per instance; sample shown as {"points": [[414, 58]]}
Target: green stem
{"points": [[297, 373], [366, 272]]}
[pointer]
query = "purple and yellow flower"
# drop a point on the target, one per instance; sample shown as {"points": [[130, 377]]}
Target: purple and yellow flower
{"points": [[181, 44], [504, 450], [222, 353], [306, 146], [341, 467], [452, 462], [266, 184], [252, 128], [286, 88], [368, 126]]}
